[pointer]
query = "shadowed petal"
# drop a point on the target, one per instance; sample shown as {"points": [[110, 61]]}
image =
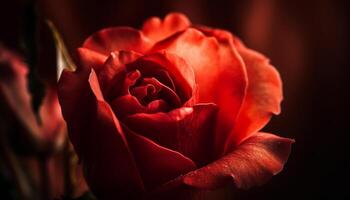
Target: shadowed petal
{"points": [[151, 88], [189, 130], [97, 136], [128, 105], [157, 164], [180, 72], [114, 72], [255, 161]]}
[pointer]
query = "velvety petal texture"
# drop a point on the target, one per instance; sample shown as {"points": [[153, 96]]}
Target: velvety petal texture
{"points": [[181, 74], [171, 107], [95, 131], [188, 130], [263, 99], [114, 73], [220, 75], [151, 158], [264, 91], [252, 163]]}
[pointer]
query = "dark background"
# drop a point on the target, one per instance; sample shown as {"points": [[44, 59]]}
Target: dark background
{"points": [[307, 41]]}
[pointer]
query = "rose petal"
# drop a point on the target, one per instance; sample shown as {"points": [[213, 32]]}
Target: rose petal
{"points": [[156, 29], [221, 35], [264, 96], [118, 38], [159, 127], [187, 130], [158, 105], [128, 105], [152, 88], [157, 164], [179, 71], [90, 59], [143, 91], [112, 75], [255, 161], [97, 136], [264, 92], [220, 75]]}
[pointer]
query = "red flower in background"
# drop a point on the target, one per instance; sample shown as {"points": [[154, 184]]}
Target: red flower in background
{"points": [[171, 106], [46, 134], [33, 136]]}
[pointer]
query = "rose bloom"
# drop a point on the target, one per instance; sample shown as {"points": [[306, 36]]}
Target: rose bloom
{"points": [[171, 106]]}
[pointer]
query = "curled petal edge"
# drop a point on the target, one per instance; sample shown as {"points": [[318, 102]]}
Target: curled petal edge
{"points": [[252, 163]]}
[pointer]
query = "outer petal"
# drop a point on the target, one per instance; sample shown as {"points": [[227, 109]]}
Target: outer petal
{"points": [[187, 130], [264, 93], [157, 30], [220, 74], [264, 96], [90, 59], [97, 136], [255, 161], [118, 38], [157, 164]]}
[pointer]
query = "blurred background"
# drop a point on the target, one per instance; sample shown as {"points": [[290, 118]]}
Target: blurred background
{"points": [[307, 41]]}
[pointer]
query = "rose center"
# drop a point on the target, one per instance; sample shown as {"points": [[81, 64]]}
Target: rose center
{"points": [[148, 89]]}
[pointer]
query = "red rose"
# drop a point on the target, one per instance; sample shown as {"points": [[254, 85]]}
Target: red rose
{"points": [[171, 106]]}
